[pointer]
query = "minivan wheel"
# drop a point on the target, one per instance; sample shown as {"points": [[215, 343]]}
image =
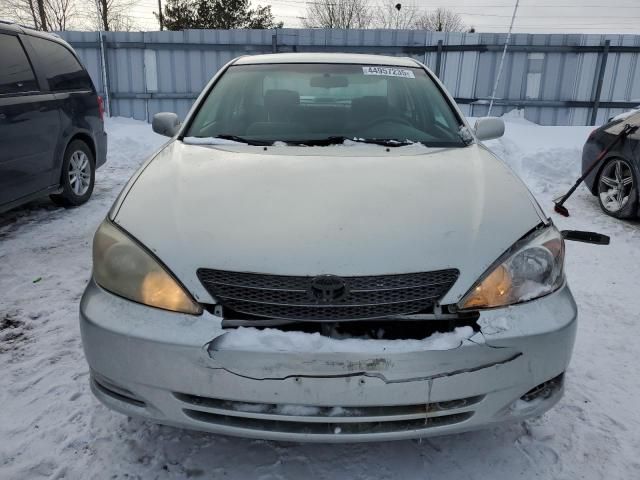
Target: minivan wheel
{"points": [[617, 189], [78, 175]]}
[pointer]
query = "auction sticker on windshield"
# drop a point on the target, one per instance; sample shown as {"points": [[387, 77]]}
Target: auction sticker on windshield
{"points": [[388, 72]]}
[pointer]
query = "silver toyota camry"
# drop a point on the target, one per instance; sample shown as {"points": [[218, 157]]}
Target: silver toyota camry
{"points": [[325, 251]]}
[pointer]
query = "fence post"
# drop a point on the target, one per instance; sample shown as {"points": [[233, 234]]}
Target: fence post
{"points": [[600, 79], [274, 42], [438, 58], [105, 75]]}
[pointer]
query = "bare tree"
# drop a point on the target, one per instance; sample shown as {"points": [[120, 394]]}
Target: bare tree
{"points": [[60, 13], [114, 15], [57, 15], [441, 20], [338, 14], [25, 12], [391, 14]]}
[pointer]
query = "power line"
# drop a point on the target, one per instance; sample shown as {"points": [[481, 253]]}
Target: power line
{"points": [[483, 6], [560, 27], [542, 16], [473, 14], [621, 20]]}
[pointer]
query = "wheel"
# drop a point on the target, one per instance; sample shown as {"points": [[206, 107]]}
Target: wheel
{"points": [[617, 189], [78, 175]]}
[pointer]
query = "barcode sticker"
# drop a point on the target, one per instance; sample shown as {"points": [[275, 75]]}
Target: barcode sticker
{"points": [[388, 72]]}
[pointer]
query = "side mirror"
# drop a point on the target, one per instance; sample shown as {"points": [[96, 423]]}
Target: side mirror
{"points": [[586, 237], [488, 128], [165, 123]]}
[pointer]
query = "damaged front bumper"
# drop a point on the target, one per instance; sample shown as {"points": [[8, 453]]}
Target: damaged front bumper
{"points": [[175, 369]]}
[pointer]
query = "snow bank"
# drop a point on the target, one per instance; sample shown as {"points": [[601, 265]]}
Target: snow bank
{"points": [[546, 158]]}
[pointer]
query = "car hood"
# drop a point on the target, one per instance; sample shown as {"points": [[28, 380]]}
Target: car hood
{"points": [[363, 210]]}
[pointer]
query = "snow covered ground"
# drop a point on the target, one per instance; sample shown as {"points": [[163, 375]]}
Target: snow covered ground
{"points": [[52, 427]]}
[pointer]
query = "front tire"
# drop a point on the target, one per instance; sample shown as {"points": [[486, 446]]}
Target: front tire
{"points": [[618, 189], [78, 175]]}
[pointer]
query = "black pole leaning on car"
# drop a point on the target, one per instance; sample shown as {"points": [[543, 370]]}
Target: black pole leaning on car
{"points": [[559, 202]]}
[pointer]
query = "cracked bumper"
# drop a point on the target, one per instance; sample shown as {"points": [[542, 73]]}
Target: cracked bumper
{"points": [[166, 367]]}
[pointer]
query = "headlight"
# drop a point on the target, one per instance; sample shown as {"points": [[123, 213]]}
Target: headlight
{"points": [[532, 268], [125, 268]]}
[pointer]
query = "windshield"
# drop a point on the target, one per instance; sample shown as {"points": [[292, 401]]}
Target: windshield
{"points": [[320, 104]]}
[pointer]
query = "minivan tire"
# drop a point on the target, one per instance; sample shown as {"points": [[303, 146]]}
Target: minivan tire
{"points": [[78, 168]]}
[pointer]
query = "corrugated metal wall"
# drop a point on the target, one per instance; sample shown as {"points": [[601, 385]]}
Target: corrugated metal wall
{"points": [[554, 77]]}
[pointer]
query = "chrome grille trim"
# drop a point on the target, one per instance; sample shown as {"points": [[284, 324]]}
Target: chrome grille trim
{"points": [[323, 414], [324, 420], [328, 428], [293, 282], [301, 297], [288, 297]]}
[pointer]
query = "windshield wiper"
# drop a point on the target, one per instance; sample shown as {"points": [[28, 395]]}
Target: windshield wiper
{"points": [[338, 139], [236, 138], [386, 142]]}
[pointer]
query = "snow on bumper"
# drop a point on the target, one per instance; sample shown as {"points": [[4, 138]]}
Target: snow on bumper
{"points": [[186, 371]]}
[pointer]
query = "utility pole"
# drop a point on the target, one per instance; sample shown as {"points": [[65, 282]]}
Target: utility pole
{"points": [[103, 58], [504, 53], [160, 19]]}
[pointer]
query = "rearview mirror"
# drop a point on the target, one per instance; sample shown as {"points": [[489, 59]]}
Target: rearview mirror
{"points": [[586, 237], [488, 128], [165, 123], [329, 81]]}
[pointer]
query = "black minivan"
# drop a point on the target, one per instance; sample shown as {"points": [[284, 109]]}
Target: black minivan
{"points": [[52, 135]]}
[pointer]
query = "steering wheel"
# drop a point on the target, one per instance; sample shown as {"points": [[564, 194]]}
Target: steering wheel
{"points": [[388, 119]]}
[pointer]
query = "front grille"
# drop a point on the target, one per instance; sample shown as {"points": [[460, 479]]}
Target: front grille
{"points": [[290, 297], [327, 420]]}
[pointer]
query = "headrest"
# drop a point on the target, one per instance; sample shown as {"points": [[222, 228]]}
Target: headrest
{"points": [[277, 99], [370, 106]]}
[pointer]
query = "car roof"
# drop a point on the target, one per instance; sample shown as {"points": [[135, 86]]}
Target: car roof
{"points": [[350, 58], [9, 26]]}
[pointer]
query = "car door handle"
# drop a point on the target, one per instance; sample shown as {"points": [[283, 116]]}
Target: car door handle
{"points": [[2, 116]]}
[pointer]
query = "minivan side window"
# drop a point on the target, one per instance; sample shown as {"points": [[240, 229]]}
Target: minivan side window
{"points": [[16, 75], [62, 69]]}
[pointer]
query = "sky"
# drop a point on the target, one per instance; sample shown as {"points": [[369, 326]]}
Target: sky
{"points": [[534, 16]]}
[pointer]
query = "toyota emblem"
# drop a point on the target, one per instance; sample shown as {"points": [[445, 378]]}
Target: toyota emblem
{"points": [[326, 289]]}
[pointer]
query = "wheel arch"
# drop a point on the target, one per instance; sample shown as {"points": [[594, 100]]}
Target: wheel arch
{"points": [[86, 138]]}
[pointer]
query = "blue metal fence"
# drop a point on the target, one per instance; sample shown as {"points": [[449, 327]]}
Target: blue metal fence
{"points": [[558, 79]]}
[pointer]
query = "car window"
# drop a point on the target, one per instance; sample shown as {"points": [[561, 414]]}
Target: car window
{"points": [[309, 102], [62, 69], [16, 75]]}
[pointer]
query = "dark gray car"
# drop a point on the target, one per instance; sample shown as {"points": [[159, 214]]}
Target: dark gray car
{"points": [[51, 121], [615, 180]]}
